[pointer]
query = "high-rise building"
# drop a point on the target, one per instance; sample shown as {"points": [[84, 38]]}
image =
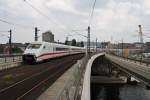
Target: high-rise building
{"points": [[48, 36]]}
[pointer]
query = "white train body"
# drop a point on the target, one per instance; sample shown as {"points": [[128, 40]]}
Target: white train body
{"points": [[39, 51]]}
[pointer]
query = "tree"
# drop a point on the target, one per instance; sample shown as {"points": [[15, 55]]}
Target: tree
{"points": [[78, 44], [1, 50], [16, 50], [73, 43], [82, 44], [66, 42]]}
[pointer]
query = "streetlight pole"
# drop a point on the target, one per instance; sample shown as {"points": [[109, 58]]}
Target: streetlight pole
{"points": [[88, 42], [96, 44], [122, 47], [10, 43], [36, 33], [141, 39]]}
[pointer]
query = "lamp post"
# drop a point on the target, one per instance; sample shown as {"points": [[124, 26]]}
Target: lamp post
{"points": [[10, 41], [88, 42], [117, 47], [122, 47], [96, 46]]}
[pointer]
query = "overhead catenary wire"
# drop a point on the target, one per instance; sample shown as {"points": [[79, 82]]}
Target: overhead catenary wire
{"points": [[1, 34], [3, 31], [79, 30], [49, 19], [92, 13], [67, 27], [6, 22], [15, 24], [44, 15]]}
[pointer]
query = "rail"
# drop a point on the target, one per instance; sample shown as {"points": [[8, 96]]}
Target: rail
{"points": [[40, 76], [73, 86]]}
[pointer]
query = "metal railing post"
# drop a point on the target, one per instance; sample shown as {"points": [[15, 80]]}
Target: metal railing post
{"points": [[5, 59], [13, 57]]}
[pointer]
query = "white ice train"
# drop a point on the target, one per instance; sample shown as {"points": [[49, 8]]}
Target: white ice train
{"points": [[40, 51]]}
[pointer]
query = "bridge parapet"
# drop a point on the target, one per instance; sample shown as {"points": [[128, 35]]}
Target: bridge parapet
{"points": [[87, 76], [73, 86]]}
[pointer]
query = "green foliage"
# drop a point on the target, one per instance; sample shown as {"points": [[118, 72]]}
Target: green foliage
{"points": [[16, 50], [74, 43], [82, 44], [1, 50], [147, 49], [66, 42]]}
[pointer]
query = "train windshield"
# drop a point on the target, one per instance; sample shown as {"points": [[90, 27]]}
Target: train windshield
{"points": [[34, 46]]}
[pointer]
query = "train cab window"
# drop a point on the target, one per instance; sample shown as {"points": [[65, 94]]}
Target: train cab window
{"points": [[34, 46]]}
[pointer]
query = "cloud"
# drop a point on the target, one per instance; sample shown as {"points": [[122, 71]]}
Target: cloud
{"points": [[117, 18], [63, 5], [147, 6]]}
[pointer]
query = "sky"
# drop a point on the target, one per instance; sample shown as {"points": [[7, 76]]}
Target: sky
{"points": [[113, 20]]}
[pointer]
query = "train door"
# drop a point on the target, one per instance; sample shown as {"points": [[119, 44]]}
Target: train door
{"points": [[50, 50]]}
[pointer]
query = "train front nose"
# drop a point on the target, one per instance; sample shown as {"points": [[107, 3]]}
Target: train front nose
{"points": [[29, 58]]}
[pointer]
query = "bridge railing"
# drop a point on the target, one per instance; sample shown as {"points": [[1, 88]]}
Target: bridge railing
{"points": [[140, 59], [73, 86], [8, 61]]}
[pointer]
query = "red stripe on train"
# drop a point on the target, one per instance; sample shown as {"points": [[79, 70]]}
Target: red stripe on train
{"points": [[51, 53]]}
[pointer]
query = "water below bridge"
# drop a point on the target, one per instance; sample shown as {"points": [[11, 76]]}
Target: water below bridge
{"points": [[126, 92]]}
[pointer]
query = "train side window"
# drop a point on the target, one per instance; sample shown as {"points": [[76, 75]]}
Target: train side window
{"points": [[61, 49]]}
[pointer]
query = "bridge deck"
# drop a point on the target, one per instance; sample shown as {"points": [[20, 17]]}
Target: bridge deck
{"points": [[140, 71]]}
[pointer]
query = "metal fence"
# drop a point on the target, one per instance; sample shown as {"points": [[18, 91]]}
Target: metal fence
{"points": [[73, 86], [8, 61], [139, 59]]}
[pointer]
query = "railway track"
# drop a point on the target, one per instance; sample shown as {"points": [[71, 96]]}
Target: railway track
{"points": [[31, 87], [139, 71]]}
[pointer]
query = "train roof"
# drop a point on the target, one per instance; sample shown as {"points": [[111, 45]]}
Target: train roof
{"points": [[56, 44]]}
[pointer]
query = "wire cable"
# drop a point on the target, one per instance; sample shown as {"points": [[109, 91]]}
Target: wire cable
{"points": [[6, 22], [14, 24], [3, 31], [43, 14], [92, 12], [48, 18], [67, 27], [4, 35]]}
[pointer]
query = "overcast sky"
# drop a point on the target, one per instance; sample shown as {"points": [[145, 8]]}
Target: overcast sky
{"points": [[113, 19]]}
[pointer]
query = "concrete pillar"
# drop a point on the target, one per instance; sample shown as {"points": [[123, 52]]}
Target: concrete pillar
{"points": [[128, 79]]}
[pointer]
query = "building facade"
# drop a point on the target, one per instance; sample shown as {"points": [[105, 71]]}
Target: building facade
{"points": [[48, 36]]}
